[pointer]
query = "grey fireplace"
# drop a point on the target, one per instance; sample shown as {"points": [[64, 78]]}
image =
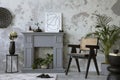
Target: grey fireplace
{"points": [[43, 39]]}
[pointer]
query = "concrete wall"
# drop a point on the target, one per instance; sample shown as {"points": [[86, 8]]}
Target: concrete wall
{"points": [[78, 19]]}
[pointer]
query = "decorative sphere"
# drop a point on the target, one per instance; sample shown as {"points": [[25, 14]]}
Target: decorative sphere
{"points": [[13, 35]]}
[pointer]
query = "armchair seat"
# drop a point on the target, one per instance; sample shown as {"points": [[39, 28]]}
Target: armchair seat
{"points": [[77, 55]]}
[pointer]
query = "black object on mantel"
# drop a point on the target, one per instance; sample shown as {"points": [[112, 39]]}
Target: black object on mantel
{"points": [[30, 29], [60, 30], [37, 30]]}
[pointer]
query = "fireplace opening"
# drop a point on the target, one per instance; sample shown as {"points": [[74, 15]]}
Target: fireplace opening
{"points": [[43, 58]]}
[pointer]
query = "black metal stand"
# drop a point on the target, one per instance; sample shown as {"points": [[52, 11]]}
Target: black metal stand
{"points": [[11, 60]]}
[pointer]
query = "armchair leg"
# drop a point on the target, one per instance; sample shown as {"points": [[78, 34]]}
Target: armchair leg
{"points": [[89, 60], [70, 59], [77, 62], [96, 66]]}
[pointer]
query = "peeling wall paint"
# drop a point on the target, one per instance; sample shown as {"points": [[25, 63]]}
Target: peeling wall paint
{"points": [[78, 19], [116, 8]]}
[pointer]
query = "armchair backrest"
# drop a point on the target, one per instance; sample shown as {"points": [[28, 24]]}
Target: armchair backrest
{"points": [[88, 41]]}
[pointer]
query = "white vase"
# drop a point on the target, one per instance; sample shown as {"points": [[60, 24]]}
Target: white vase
{"points": [[43, 66]]}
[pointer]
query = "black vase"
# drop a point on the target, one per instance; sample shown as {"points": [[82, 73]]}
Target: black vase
{"points": [[114, 60], [12, 48]]}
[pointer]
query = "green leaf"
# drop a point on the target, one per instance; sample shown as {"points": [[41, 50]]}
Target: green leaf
{"points": [[107, 34]]}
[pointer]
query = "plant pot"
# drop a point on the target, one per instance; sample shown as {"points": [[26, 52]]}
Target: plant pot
{"points": [[44, 66], [114, 60], [114, 67], [104, 70], [12, 48]]}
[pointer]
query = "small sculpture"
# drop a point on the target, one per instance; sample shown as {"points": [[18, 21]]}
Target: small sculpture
{"points": [[38, 30], [30, 29], [115, 51], [44, 76]]}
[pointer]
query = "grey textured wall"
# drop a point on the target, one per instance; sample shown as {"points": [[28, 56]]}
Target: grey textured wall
{"points": [[78, 19]]}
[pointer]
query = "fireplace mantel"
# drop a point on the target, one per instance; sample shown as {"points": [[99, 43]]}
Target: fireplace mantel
{"points": [[43, 39]]}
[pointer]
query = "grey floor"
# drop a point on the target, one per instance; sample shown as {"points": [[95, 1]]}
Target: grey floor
{"points": [[60, 76], [81, 76]]}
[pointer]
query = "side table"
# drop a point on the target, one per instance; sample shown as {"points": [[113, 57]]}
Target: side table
{"points": [[11, 63]]}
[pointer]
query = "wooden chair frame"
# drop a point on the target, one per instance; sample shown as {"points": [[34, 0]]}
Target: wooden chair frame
{"points": [[92, 55]]}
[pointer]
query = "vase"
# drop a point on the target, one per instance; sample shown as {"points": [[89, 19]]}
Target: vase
{"points": [[114, 60], [114, 67], [12, 48]]}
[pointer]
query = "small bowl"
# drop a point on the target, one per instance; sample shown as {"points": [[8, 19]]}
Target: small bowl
{"points": [[116, 51]]}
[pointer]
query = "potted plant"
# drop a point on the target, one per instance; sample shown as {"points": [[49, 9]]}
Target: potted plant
{"points": [[47, 61], [50, 60], [43, 62], [37, 63], [107, 34]]}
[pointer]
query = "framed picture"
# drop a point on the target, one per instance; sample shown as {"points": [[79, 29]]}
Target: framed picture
{"points": [[53, 22]]}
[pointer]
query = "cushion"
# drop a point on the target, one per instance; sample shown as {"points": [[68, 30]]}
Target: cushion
{"points": [[78, 55]]}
